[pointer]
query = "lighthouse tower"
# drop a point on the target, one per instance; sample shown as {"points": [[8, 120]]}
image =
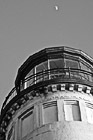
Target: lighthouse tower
{"points": [[52, 98]]}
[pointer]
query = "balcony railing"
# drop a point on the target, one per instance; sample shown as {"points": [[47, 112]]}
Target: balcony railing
{"points": [[10, 96], [59, 73]]}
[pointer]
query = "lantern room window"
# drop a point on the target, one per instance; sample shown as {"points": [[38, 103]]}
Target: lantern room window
{"points": [[71, 63], [56, 67], [41, 72]]}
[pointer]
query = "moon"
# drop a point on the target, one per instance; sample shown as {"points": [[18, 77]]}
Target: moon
{"points": [[56, 7]]}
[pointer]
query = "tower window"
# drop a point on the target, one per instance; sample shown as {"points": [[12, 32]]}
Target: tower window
{"points": [[50, 112], [27, 122], [89, 111], [72, 111]]}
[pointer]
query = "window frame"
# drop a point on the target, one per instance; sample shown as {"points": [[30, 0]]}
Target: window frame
{"points": [[88, 105], [47, 105], [28, 112], [72, 102]]}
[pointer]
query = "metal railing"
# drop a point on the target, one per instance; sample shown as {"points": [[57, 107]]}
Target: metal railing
{"points": [[49, 74], [59, 73], [8, 98]]}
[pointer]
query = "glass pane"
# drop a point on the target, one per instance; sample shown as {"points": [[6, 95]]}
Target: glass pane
{"points": [[50, 114], [71, 64], [41, 73], [29, 78], [84, 67], [90, 78], [76, 112], [56, 63], [27, 124], [86, 76], [42, 67], [56, 66]]}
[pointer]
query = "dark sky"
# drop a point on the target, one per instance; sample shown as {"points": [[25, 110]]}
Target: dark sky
{"points": [[27, 26]]}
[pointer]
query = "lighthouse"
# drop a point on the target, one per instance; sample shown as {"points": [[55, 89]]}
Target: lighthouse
{"points": [[52, 98]]}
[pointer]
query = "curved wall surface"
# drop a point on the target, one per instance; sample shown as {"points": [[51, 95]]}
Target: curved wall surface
{"points": [[65, 114]]}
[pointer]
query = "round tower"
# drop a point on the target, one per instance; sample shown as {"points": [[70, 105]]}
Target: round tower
{"points": [[52, 98]]}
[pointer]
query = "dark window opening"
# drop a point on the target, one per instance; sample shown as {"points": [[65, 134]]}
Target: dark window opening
{"points": [[50, 112]]}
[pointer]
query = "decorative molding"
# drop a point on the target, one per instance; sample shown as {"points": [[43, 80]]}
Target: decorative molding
{"points": [[51, 92]]}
